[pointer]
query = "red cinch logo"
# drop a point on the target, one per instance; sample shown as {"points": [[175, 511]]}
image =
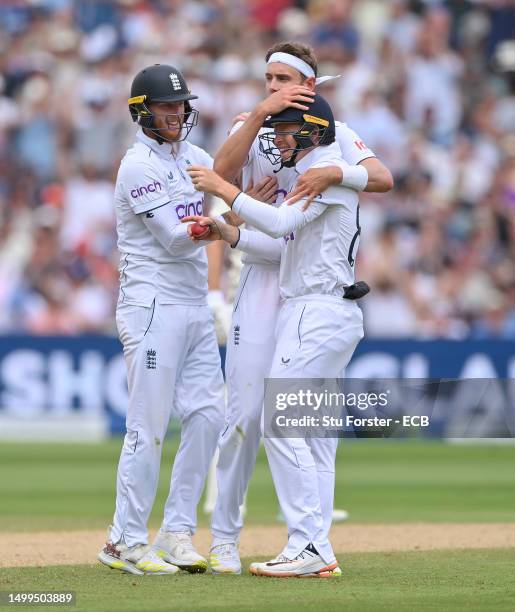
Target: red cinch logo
{"points": [[361, 145], [151, 187]]}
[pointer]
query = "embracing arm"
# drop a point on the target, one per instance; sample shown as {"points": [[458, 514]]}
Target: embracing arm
{"points": [[253, 243], [380, 179], [233, 154], [276, 222]]}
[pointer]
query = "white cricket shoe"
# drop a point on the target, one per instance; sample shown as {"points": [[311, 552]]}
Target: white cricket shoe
{"points": [[307, 564], [225, 559], [139, 559], [177, 548]]}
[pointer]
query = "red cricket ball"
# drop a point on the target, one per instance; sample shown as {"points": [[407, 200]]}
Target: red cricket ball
{"points": [[198, 230]]}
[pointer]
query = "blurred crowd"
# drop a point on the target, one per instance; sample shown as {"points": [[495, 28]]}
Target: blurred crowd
{"points": [[429, 86]]}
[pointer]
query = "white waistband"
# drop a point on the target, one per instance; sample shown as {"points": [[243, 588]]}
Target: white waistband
{"points": [[260, 264], [317, 297]]}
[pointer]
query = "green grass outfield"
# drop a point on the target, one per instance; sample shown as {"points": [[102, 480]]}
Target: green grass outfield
{"points": [[437, 581], [61, 486], [69, 487]]}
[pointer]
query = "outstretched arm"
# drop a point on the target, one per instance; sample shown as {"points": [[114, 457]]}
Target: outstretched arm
{"points": [[275, 222], [264, 191], [253, 243]]}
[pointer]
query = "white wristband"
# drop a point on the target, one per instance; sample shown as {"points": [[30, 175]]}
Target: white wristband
{"points": [[355, 177]]}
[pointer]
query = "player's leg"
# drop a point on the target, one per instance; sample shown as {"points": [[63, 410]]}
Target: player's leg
{"points": [[310, 345], [153, 348], [324, 449], [249, 354], [201, 410], [291, 462]]}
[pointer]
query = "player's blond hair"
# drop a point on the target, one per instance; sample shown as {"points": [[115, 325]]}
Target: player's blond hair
{"points": [[300, 50]]}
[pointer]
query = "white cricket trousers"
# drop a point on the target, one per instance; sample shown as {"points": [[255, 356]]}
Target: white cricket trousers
{"points": [[250, 347], [173, 362], [316, 336]]}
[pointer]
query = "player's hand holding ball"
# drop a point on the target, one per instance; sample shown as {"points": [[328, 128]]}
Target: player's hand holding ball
{"points": [[202, 228], [199, 231]]}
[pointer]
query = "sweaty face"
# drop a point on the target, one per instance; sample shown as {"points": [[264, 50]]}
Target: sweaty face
{"points": [[168, 118], [283, 140], [280, 75]]}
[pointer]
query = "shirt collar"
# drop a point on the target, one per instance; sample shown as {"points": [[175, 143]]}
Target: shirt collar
{"points": [[317, 154], [164, 150]]}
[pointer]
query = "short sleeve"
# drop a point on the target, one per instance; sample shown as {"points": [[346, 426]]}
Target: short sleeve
{"points": [[144, 186], [353, 149]]}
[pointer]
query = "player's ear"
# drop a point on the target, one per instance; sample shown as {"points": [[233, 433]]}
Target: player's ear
{"points": [[310, 82]]}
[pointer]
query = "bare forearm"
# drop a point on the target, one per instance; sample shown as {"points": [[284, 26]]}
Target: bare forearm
{"points": [[215, 260], [233, 154]]}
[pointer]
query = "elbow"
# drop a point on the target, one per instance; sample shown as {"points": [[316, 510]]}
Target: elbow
{"points": [[279, 232], [386, 182]]}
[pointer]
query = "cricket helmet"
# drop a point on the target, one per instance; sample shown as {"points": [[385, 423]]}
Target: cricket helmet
{"points": [[161, 83], [317, 128]]}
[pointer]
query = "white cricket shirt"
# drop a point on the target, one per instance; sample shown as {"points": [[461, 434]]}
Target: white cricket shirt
{"points": [[352, 149], [151, 176], [320, 243]]}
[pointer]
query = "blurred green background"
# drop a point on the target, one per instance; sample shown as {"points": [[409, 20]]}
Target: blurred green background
{"points": [[64, 486]]}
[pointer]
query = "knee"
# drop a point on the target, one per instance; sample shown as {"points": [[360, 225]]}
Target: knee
{"points": [[212, 418], [139, 440]]}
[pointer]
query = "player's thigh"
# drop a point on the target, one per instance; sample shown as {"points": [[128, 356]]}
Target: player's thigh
{"points": [[200, 384], [285, 452], [256, 304], [157, 347], [324, 452], [316, 340]]}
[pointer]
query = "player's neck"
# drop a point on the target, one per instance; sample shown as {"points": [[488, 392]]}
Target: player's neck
{"points": [[302, 153]]}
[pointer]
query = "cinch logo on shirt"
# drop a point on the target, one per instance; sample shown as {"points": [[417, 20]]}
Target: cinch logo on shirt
{"points": [[139, 191], [193, 208]]}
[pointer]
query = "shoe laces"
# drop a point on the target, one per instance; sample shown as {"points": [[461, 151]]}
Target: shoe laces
{"points": [[305, 553], [225, 551]]}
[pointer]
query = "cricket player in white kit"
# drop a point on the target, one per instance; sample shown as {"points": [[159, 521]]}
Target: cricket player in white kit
{"points": [[251, 343], [166, 329], [317, 330]]}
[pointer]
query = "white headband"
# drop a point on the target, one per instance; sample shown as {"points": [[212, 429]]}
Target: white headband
{"points": [[300, 65]]}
